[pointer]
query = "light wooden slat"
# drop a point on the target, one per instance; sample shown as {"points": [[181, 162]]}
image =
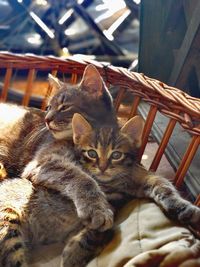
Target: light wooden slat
{"points": [[147, 129], [6, 84], [163, 144], [119, 98], [74, 78], [134, 106], [28, 91], [186, 161]]}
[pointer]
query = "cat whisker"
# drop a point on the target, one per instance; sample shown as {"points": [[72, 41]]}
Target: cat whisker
{"points": [[33, 137]]}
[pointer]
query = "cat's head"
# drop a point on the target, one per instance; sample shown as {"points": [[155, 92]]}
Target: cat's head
{"points": [[107, 152], [90, 98]]}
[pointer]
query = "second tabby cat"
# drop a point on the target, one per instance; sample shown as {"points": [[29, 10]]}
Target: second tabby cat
{"points": [[23, 129]]}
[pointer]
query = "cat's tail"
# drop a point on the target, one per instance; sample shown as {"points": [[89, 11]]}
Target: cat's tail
{"points": [[12, 246]]}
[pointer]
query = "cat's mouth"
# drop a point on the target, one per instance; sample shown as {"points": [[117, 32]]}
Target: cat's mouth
{"points": [[57, 128], [103, 179], [53, 128], [61, 133]]}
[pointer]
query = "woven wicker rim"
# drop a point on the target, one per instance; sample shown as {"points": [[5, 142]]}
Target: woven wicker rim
{"points": [[169, 100]]}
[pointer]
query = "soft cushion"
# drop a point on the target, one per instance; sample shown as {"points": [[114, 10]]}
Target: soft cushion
{"points": [[141, 227], [143, 234]]}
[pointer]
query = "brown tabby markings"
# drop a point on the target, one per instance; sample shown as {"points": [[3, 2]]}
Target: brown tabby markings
{"points": [[44, 216], [50, 163], [122, 174], [23, 130]]}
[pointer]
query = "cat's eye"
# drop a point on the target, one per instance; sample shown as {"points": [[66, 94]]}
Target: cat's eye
{"points": [[116, 155], [63, 107], [92, 153]]}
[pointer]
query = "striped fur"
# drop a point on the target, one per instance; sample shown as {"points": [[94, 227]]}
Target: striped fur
{"points": [[67, 198], [12, 246], [67, 202], [124, 176], [41, 143], [23, 130]]}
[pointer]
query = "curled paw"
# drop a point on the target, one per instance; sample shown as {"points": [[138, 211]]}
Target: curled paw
{"points": [[102, 220], [97, 218], [195, 221], [191, 216]]}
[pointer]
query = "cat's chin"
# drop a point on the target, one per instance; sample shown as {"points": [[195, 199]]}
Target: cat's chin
{"points": [[103, 178], [62, 135]]}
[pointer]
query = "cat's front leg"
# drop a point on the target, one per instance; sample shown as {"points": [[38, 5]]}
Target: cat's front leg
{"points": [[71, 181], [84, 246], [96, 215], [167, 197]]}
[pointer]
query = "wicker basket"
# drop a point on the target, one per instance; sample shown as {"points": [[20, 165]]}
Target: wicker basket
{"points": [[173, 103]]}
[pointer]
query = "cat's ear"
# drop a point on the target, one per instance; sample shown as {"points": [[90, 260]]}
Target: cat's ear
{"points": [[92, 81], [55, 82], [133, 128], [80, 127]]}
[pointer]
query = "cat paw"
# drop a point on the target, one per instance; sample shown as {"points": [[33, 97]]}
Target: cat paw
{"points": [[191, 216], [31, 172], [195, 220], [96, 218], [102, 220]]}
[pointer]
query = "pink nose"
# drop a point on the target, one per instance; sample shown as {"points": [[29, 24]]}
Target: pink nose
{"points": [[103, 167], [47, 119]]}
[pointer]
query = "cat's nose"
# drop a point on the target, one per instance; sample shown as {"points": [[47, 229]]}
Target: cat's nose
{"points": [[47, 120], [50, 116], [102, 167]]}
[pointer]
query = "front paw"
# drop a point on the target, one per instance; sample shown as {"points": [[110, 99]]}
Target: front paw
{"points": [[97, 217], [102, 220], [191, 216], [31, 171]]}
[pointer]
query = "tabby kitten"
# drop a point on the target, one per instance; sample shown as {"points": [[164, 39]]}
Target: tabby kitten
{"points": [[41, 216], [24, 130], [111, 158]]}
